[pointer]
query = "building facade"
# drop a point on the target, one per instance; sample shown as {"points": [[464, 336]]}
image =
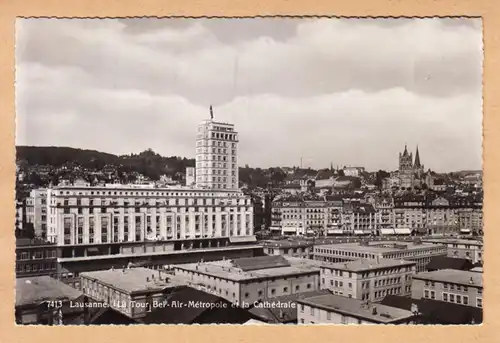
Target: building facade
{"points": [[114, 214], [35, 257], [450, 285], [217, 156], [368, 279], [472, 250], [416, 251], [36, 211]]}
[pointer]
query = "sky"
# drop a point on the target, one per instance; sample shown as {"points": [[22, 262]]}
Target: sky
{"points": [[347, 92]]}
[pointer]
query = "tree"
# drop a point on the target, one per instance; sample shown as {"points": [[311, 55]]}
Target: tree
{"points": [[341, 172]]}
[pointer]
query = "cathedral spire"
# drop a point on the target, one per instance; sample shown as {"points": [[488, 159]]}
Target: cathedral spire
{"points": [[405, 153], [417, 159]]}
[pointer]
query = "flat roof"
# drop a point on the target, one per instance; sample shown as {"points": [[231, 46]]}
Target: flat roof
{"points": [[477, 269], [454, 241], [225, 269], [378, 246], [34, 290], [368, 264], [453, 276], [135, 279], [156, 253], [357, 308], [286, 244]]}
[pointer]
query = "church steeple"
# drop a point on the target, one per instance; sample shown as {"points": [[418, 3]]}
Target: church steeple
{"points": [[417, 159], [405, 153]]}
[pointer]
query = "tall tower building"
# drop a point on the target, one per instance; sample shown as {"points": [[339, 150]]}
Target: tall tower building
{"points": [[216, 155]]}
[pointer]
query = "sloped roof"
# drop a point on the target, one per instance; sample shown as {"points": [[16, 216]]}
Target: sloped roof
{"points": [[283, 313], [324, 174], [260, 262], [437, 312], [213, 309], [444, 262]]}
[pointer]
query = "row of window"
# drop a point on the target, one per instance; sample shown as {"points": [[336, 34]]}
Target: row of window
{"points": [[157, 193], [40, 254], [34, 267], [452, 287]]}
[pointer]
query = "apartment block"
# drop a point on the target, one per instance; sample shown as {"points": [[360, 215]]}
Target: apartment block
{"points": [[450, 285], [368, 279]]}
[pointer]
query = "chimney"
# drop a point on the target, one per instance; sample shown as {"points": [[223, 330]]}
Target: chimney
{"points": [[374, 310], [414, 308], [282, 315], [471, 280]]}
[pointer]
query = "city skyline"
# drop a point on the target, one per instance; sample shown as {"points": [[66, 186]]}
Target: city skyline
{"points": [[157, 72]]}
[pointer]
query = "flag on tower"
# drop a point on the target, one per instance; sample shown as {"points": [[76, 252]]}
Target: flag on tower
{"points": [[211, 113]]}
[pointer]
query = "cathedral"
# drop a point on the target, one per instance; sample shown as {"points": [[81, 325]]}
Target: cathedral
{"points": [[411, 172]]}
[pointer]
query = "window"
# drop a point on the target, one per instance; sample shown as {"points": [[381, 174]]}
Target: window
{"points": [[301, 307], [308, 286], [459, 299], [465, 300], [452, 298], [479, 302], [433, 295], [285, 289], [273, 291], [246, 295], [350, 285], [302, 320], [445, 296], [328, 316], [426, 294], [312, 311]]}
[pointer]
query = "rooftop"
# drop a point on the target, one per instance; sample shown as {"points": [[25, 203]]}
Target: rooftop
{"points": [[436, 311], [277, 313], [135, 279], [34, 290], [453, 276], [368, 264], [287, 244], [357, 308], [378, 247], [227, 269], [454, 241]]}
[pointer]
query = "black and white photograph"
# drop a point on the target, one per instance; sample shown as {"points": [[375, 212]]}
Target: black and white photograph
{"points": [[249, 171]]}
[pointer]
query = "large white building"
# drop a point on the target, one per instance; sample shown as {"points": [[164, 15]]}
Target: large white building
{"points": [[216, 155], [93, 215]]}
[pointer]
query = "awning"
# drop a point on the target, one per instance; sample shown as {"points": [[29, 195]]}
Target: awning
{"points": [[403, 231], [335, 231], [361, 232], [465, 230], [275, 228], [92, 249], [242, 239], [387, 231]]}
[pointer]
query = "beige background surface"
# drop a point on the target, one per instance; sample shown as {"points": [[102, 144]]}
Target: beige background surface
{"points": [[488, 9]]}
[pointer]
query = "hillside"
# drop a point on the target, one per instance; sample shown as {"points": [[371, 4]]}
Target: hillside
{"points": [[147, 162]]}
